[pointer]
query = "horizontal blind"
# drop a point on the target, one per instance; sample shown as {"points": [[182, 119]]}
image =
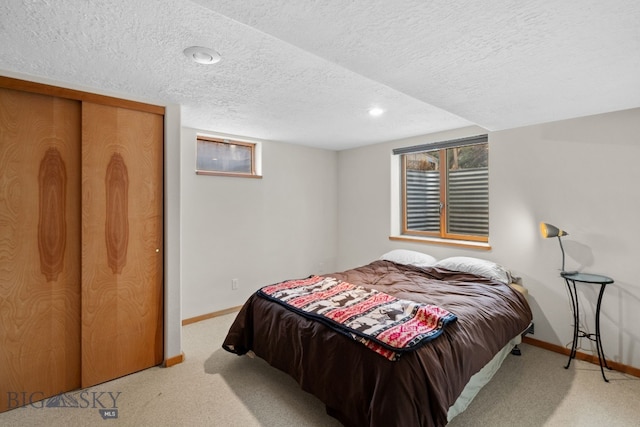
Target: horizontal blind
{"points": [[468, 202], [423, 200]]}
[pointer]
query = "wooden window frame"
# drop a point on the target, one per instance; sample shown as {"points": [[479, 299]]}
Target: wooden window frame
{"points": [[442, 233], [251, 145]]}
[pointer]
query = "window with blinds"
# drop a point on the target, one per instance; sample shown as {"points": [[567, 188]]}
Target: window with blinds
{"points": [[445, 189]]}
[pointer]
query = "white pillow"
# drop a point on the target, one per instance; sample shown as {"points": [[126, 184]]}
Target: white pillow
{"points": [[407, 257], [479, 267]]}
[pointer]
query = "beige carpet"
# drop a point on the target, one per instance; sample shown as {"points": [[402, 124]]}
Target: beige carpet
{"points": [[215, 388]]}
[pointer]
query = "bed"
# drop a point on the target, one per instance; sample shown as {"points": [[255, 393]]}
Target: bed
{"points": [[426, 386]]}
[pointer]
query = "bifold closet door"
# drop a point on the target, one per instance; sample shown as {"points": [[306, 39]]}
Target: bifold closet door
{"points": [[39, 247], [122, 252]]}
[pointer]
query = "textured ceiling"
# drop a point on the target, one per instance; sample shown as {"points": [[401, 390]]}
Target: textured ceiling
{"points": [[306, 72]]}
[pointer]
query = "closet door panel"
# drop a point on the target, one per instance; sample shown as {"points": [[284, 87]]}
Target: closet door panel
{"points": [[39, 247], [122, 257]]}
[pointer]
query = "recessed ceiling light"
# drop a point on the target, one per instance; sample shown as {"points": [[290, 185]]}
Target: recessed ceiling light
{"points": [[202, 55], [375, 112]]}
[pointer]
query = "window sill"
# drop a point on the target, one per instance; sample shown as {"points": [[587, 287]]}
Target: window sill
{"points": [[231, 174], [448, 242]]}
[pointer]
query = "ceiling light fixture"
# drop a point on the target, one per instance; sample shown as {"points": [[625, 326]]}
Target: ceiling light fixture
{"points": [[202, 55], [375, 111]]}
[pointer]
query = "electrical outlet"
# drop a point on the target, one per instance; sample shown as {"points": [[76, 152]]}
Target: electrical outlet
{"points": [[234, 284]]}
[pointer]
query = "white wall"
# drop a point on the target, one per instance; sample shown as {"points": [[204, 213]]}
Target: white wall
{"points": [[259, 231], [172, 237], [580, 175]]}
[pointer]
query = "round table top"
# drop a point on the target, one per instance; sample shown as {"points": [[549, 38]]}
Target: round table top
{"points": [[586, 277]]}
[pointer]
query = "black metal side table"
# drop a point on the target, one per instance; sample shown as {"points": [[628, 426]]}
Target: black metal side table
{"points": [[570, 279]]}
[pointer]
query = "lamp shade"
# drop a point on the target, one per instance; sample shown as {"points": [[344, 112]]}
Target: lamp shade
{"points": [[548, 230]]}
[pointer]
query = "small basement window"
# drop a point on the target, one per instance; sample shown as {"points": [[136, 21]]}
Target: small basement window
{"points": [[225, 157]]}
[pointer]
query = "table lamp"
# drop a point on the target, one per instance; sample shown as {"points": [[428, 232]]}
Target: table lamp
{"points": [[548, 230]]}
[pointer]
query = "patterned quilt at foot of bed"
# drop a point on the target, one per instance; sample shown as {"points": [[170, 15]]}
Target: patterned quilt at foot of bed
{"points": [[385, 324]]}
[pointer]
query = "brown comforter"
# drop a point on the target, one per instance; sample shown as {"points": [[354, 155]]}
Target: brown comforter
{"points": [[361, 388]]}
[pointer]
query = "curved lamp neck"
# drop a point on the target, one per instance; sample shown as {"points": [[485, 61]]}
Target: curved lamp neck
{"points": [[562, 249]]}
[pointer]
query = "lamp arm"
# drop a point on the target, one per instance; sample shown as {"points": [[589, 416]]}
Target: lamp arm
{"points": [[562, 249]]}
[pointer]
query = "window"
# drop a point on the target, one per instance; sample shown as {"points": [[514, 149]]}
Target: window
{"points": [[225, 157], [445, 189]]}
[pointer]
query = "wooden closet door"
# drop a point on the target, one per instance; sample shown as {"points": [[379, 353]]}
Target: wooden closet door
{"points": [[39, 247], [122, 229]]}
